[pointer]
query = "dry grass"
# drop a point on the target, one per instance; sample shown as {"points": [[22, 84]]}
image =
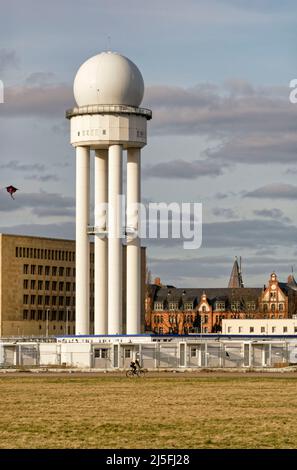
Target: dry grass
{"points": [[155, 412]]}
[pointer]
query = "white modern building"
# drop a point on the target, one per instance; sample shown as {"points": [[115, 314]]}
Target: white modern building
{"points": [[266, 326], [108, 90]]}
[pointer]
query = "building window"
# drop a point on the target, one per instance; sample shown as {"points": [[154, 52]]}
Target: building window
{"points": [[194, 351], [240, 329], [161, 331], [285, 329], [54, 315], [25, 283], [206, 319], [61, 301], [33, 282], [47, 300], [272, 295], [17, 252], [251, 306], [281, 307], [40, 270], [54, 300], [25, 314], [262, 329], [158, 306], [61, 271], [54, 285], [61, 285], [68, 272], [33, 299], [295, 329], [68, 300], [127, 353], [54, 271], [173, 306], [39, 315], [47, 270], [47, 285], [32, 315], [68, 286], [39, 300], [273, 307], [25, 268], [251, 329], [61, 315], [203, 309], [25, 299], [235, 305], [101, 353], [189, 306], [220, 306], [273, 329], [33, 268], [229, 329]]}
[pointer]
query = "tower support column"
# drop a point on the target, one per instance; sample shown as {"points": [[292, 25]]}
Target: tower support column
{"points": [[115, 248], [133, 308], [82, 302], [101, 244]]}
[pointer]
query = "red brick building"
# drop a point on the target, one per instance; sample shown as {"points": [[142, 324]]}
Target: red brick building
{"points": [[171, 310]]}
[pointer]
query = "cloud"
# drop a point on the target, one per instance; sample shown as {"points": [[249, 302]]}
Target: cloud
{"points": [[47, 101], [274, 191], [42, 178], [65, 230], [15, 165], [272, 214], [40, 79], [41, 203], [8, 59], [252, 124], [182, 169], [225, 212]]}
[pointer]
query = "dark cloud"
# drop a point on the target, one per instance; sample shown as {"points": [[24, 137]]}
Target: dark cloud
{"points": [[225, 212], [272, 214], [183, 169], [40, 100], [218, 268], [274, 191], [39, 203], [8, 59]]}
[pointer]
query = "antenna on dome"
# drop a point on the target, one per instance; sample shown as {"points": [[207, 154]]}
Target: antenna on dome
{"points": [[108, 44]]}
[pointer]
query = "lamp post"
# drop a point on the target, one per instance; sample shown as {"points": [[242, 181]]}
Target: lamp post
{"points": [[67, 318], [47, 311]]}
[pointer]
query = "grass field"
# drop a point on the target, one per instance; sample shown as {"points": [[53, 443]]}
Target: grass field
{"points": [[111, 411]]}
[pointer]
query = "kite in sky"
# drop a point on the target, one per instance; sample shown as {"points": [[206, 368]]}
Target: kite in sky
{"points": [[11, 190]]}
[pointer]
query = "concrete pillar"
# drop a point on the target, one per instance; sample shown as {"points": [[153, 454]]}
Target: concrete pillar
{"points": [[101, 244], [133, 308], [115, 248], [82, 311]]}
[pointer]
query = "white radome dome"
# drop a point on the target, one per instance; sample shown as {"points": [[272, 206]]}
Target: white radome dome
{"points": [[108, 78]]}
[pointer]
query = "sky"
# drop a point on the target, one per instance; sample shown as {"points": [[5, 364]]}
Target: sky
{"points": [[223, 132]]}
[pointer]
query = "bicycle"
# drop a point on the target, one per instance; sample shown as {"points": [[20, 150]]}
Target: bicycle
{"points": [[135, 373]]}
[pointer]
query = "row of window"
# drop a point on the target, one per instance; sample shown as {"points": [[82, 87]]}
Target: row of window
{"points": [[40, 253], [48, 270], [62, 328], [173, 318], [47, 285], [47, 300], [48, 315], [273, 307], [262, 329], [236, 306]]}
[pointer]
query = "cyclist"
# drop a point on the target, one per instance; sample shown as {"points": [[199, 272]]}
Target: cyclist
{"points": [[133, 367], [137, 364]]}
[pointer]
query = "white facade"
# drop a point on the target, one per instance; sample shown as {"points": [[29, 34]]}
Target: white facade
{"points": [[108, 89], [259, 327], [166, 353]]}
